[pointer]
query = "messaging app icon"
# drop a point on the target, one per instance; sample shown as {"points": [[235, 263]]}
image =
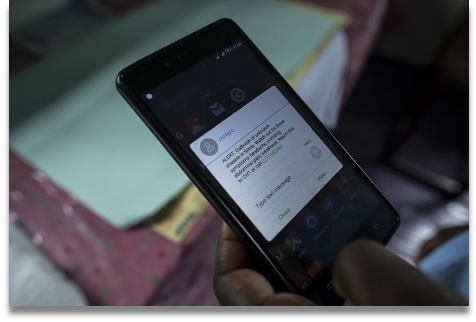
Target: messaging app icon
{"points": [[217, 109], [293, 241], [329, 203], [194, 124], [312, 222]]}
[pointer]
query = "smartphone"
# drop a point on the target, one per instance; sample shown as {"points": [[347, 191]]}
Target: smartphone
{"points": [[259, 155]]}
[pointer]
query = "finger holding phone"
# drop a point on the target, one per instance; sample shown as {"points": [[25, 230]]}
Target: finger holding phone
{"points": [[365, 273]]}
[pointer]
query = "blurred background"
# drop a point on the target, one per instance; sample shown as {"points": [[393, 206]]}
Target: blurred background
{"points": [[101, 215]]}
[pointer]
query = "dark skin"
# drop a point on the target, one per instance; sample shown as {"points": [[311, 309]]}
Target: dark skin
{"points": [[364, 272]]}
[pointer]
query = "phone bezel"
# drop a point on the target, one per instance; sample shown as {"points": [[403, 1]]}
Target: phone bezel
{"points": [[150, 72]]}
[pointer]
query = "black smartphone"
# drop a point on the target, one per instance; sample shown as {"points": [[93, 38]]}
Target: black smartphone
{"points": [[259, 155]]}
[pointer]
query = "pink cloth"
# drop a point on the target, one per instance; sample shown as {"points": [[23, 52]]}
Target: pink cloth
{"points": [[112, 266]]}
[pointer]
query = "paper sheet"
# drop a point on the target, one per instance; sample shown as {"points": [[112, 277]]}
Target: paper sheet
{"points": [[69, 122]]}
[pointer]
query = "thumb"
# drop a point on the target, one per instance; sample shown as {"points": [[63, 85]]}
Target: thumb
{"points": [[368, 274]]}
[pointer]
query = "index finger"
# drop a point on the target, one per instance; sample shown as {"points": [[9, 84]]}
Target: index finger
{"points": [[368, 274]]}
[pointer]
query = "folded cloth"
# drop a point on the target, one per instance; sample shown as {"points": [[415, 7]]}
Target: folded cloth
{"points": [[449, 264]]}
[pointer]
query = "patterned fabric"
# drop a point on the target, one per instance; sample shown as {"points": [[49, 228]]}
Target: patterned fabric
{"points": [[111, 266]]}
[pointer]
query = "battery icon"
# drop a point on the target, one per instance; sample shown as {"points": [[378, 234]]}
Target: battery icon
{"points": [[228, 50]]}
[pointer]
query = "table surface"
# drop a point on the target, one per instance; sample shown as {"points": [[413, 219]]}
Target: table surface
{"points": [[137, 266]]}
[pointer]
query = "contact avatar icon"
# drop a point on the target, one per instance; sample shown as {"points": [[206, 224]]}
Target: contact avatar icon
{"points": [[209, 147]]}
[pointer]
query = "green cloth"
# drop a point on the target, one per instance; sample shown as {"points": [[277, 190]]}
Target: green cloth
{"points": [[69, 122]]}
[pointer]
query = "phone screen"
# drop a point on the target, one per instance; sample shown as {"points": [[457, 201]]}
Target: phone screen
{"points": [[269, 160], [301, 200]]}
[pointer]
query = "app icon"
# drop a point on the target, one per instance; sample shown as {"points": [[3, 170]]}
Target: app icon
{"points": [[194, 124], [312, 221], [315, 268], [217, 109], [293, 241], [315, 152], [345, 186], [209, 147], [237, 95], [329, 203]]}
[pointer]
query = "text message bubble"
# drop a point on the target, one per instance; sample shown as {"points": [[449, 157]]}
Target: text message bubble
{"points": [[266, 145]]}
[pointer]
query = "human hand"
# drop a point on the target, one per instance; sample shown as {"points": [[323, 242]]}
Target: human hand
{"points": [[368, 274], [364, 272], [236, 282]]}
